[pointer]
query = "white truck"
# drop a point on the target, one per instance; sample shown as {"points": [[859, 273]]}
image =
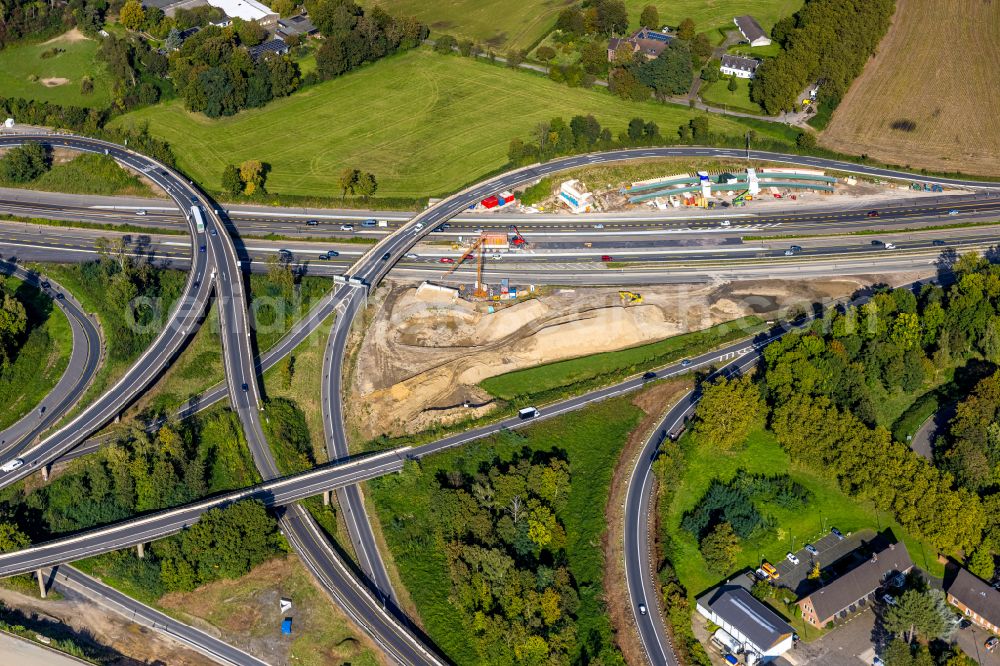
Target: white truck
{"points": [[527, 413]]}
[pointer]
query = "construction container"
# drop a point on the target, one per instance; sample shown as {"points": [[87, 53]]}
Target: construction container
{"points": [[490, 202]]}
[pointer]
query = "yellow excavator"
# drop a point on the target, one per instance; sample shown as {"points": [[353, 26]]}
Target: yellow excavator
{"points": [[630, 297]]}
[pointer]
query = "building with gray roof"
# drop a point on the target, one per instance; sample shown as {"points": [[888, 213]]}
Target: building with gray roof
{"points": [[756, 627], [751, 30], [979, 602]]}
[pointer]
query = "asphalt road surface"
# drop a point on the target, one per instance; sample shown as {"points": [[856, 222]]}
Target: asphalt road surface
{"points": [[85, 358]]}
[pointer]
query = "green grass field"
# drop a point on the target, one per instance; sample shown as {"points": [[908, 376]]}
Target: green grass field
{"points": [[23, 72], [617, 364], [423, 123], [41, 360], [90, 174], [717, 94], [829, 507], [592, 439], [712, 14]]}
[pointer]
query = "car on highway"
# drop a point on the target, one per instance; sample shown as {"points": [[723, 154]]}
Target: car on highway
{"points": [[194, 199], [246, 387], [140, 212], [795, 248], [285, 253], [369, 222], [332, 253], [11, 465], [201, 248], [438, 229], [385, 257], [496, 256], [811, 549], [953, 212], [789, 253], [792, 558], [835, 532], [648, 375], [598, 226], [411, 255], [347, 227], [937, 242], [769, 570], [46, 284], [642, 609], [685, 363], [725, 223], [60, 296], [312, 223], [606, 257], [324, 256], [873, 213], [212, 231], [418, 226], [446, 260], [527, 413]]}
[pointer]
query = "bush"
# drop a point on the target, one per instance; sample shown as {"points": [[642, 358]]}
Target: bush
{"points": [[545, 53]]}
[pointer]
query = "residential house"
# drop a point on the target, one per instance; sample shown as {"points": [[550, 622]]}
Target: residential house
{"points": [[296, 25], [979, 602], [856, 588], [757, 629], [649, 43], [739, 66], [751, 30], [275, 46]]}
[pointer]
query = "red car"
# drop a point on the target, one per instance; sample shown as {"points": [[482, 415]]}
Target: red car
{"points": [[446, 260], [873, 213], [605, 257]]}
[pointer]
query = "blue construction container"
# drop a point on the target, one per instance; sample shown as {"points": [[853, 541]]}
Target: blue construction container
{"points": [[286, 626]]}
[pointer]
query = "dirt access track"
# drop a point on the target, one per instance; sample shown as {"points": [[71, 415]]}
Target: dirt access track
{"points": [[424, 352]]}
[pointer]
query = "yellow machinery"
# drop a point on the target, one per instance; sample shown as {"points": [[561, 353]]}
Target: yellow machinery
{"points": [[480, 289], [630, 297]]}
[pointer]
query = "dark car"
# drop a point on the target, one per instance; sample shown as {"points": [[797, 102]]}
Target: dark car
{"points": [[795, 248], [385, 257], [685, 363], [201, 248], [606, 257], [646, 376], [873, 213], [246, 387], [213, 231], [45, 284], [938, 242], [324, 256], [312, 223], [60, 296], [194, 199], [332, 253], [439, 228]]}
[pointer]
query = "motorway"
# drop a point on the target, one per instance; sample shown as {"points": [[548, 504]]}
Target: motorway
{"points": [[85, 359], [364, 274]]}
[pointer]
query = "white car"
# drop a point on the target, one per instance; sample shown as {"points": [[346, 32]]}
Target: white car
{"points": [[347, 227], [890, 246], [642, 609], [724, 223], [11, 465], [598, 226], [140, 212], [410, 255], [497, 256], [418, 226], [791, 558]]}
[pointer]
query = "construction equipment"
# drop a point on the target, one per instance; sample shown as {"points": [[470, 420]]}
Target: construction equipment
{"points": [[480, 290], [516, 239], [630, 297]]}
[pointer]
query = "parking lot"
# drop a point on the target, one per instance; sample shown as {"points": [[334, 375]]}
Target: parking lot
{"points": [[829, 549], [844, 646], [971, 640]]}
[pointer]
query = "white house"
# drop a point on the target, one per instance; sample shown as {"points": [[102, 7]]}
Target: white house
{"points": [[751, 30], [739, 66], [248, 10], [762, 635]]}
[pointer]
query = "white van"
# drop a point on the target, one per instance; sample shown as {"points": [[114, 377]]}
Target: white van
{"points": [[11, 465], [527, 413]]}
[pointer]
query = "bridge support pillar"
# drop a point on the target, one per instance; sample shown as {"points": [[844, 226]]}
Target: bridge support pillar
{"points": [[140, 549], [326, 497], [39, 574], [46, 470]]}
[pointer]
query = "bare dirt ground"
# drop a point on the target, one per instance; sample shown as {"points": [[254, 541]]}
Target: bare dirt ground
{"points": [[424, 353], [928, 98], [54, 81], [137, 645], [654, 401], [73, 35], [246, 613]]}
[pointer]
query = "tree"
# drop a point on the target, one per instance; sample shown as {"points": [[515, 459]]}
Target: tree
{"points": [[701, 47], [635, 129], [685, 30], [729, 409], [594, 57], [710, 72], [12, 538], [720, 548], [366, 185], [348, 181], [981, 563], [898, 653], [805, 140], [24, 163], [466, 47], [86, 86], [445, 44], [252, 175], [287, 371], [514, 58], [570, 21], [250, 33], [132, 15], [670, 72], [284, 8], [650, 17], [545, 53], [731, 86], [232, 182], [924, 614]]}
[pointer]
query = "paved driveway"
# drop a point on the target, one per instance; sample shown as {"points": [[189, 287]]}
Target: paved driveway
{"points": [[844, 646], [971, 641]]}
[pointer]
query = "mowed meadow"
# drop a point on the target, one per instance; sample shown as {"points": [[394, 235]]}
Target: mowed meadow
{"points": [[930, 98], [423, 123], [51, 71]]}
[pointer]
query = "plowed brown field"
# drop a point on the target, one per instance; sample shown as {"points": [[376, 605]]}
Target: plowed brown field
{"points": [[931, 96]]}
